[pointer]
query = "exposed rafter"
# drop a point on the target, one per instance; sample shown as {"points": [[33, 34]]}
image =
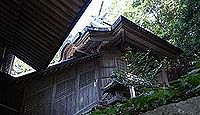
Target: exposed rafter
{"points": [[35, 29]]}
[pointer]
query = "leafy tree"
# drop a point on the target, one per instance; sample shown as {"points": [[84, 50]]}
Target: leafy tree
{"points": [[143, 64], [174, 20], [20, 67], [185, 87], [142, 67]]}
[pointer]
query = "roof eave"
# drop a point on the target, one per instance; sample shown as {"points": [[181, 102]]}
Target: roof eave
{"points": [[67, 31]]}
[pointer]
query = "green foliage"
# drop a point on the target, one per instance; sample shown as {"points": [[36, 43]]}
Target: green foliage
{"points": [[107, 111], [198, 65], [189, 84], [141, 69], [20, 67], [174, 20], [143, 65], [181, 89], [128, 79], [150, 99]]}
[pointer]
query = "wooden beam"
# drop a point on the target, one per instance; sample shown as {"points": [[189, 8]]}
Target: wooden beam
{"points": [[5, 9], [9, 108], [43, 13], [148, 44], [43, 25], [43, 19], [71, 7], [30, 54], [40, 38], [69, 15], [44, 9], [31, 39], [41, 29], [33, 46], [28, 60]]}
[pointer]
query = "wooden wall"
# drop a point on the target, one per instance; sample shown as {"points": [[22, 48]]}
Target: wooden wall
{"points": [[11, 95], [10, 99], [65, 92], [110, 61], [71, 91]]}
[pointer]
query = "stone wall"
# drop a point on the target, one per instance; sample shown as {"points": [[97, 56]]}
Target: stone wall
{"points": [[187, 107]]}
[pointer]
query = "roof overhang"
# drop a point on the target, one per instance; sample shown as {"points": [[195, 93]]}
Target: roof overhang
{"points": [[126, 33], [35, 29], [65, 65]]}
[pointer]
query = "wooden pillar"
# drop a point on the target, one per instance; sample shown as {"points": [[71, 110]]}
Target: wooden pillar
{"points": [[2, 54], [162, 78], [6, 60], [77, 89], [132, 91]]}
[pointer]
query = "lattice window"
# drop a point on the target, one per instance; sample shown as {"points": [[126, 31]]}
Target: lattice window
{"points": [[65, 88], [121, 64], [108, 63], [42, 98], [87, 78]]}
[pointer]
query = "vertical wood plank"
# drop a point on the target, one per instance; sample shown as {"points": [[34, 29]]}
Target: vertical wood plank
{"points": [[53, 95], [77, 88], [98, 79]]}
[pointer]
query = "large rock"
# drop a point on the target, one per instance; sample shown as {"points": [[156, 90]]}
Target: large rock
{"points": [[187, 107]]}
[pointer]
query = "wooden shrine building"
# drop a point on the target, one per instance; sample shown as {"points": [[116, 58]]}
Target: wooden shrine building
{"points": [[75, 85]]}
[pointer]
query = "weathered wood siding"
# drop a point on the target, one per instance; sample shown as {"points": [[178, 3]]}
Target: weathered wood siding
{"points": [[66, 92], [71, 91], [38, 97], [110, 61], [11, 95]]}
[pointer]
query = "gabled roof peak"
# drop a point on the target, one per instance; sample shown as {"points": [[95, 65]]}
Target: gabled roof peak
{"points": [[125, 33]]}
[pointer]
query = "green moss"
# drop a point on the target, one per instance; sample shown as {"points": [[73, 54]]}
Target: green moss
{"points": [[183, 88]]}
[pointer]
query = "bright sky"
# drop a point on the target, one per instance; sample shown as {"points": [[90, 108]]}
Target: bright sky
{"points": [[86, 18]]}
